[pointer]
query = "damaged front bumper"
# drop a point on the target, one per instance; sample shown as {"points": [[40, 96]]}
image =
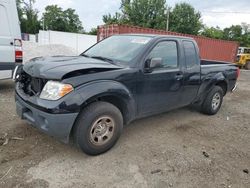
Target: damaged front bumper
{"points": [[56, 125]]}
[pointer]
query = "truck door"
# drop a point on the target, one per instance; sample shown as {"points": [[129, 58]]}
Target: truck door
{"points": [[161, 89], [7, 51]]}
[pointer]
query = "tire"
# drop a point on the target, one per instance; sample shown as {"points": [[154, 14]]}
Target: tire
{"points": [[98, 128], [247, 65], [213, 101]]}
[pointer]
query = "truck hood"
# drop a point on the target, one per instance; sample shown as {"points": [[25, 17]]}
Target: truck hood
{"points": [[60, 67]]}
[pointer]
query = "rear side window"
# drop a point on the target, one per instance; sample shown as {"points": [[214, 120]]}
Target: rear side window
{"points": [[167, 50], [190, 53], [4, 22]]}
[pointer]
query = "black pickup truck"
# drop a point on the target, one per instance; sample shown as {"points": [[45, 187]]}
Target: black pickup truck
{"points": [[122, 78]]}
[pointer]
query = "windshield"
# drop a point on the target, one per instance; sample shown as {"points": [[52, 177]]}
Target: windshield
{"points": [[122, 48], [247, 51]]}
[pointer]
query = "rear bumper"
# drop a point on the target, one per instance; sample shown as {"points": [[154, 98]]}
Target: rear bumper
{"points": [[5, 74], [6, 70], [7, 66], [56, 125]]}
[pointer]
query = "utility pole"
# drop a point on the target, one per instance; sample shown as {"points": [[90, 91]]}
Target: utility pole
{"points": [[167, 12]]}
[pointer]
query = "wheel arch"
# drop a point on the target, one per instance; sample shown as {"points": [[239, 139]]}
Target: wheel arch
{"points": [[220, 80], [208, 83], [123, 104], [108, 91], [224, 86]]}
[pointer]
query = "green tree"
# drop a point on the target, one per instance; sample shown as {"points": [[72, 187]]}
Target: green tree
{"points": [[93, 31], [28, 16], [54, 18], [144, 13], [19, 9], [185, 19], [245, 27], [238, 33], [73, 22], [212, 32], [115, 19], [233, 33], [245, 39]]}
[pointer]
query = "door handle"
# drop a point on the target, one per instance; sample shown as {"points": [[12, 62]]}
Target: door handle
{"points": [[11, 43], [178, 76]]}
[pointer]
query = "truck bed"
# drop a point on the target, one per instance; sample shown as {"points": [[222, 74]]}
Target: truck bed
{"points": [[214, 62], [211, 69]]}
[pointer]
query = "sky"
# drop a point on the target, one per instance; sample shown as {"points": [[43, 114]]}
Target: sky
{"points": [[222, 13]]}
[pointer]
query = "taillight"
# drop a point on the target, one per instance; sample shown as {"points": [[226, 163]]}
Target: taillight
{"points": [[19, 54], [238, 73], [18, 50]]}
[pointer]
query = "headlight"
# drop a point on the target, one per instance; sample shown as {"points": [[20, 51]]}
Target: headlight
{"points": [[55, 90]]}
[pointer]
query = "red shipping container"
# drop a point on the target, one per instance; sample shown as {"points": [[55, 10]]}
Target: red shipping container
{"points": [[210, 49]]}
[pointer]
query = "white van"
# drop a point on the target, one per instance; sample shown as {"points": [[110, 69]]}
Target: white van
{"points": [[10, 38]]}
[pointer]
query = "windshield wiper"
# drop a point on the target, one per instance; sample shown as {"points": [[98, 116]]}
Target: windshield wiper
{"points": [[104, 59], [84, 55]]}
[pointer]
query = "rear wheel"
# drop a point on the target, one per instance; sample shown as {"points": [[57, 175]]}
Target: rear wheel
{"points": [[98, 128], [213, 101], [247, 66]]}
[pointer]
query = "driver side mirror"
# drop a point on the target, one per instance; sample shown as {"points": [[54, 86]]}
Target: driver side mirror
{"points": [[152, 64]]}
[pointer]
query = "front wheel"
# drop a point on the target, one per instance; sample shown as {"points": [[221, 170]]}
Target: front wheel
{"points": [[247, 66], [98, 128], [213, 101]]}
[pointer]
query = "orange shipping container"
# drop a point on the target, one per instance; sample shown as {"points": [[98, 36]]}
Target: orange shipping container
{"points": [[210, 49]]}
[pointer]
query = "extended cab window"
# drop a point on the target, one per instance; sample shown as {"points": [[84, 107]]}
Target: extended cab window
{"points": [[190, 53], [167, 50]]}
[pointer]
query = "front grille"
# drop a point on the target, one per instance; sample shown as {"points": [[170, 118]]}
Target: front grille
{"points": [[30, 85], [36, 85]]}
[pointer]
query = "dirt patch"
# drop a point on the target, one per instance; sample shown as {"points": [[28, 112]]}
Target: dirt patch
{"points": [[182, 148]]}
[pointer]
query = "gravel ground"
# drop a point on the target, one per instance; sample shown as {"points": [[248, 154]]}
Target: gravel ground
{"points": [[182, 148], [32, 50]]}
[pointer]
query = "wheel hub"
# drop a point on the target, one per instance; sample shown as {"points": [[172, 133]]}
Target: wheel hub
{"points": [[102, 130], [216, 101]]}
